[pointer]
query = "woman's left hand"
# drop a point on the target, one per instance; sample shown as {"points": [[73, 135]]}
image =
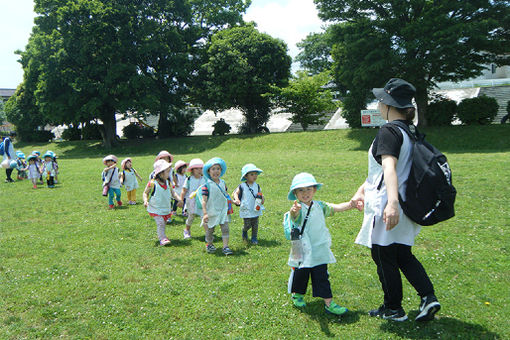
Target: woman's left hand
{"points": [[391, 215]]}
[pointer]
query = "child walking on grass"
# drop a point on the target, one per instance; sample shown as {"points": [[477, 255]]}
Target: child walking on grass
{"points": [[33, 170], [216, 204], [249, 197], [157, 196], [179, 179], [111, 178], [128, 179], [311, 252], [192, 183], [49, 171]]}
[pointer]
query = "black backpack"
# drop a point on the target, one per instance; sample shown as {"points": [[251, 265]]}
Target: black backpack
{"points": [[430, 195]]}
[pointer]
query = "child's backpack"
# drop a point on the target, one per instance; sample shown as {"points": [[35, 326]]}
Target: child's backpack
{"points": [[430, 195]]}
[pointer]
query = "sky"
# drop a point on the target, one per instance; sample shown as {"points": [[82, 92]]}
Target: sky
{"points": [[289, 20]]}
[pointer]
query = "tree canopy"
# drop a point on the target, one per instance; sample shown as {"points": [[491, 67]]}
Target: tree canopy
{"points": [[422, 41], [240, 67]]}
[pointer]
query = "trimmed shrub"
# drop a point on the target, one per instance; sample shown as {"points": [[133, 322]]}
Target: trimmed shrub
{"points": [[440, 111], [221, 128], [132, 131], [479, 110], [39, 136], [92, 131], [71, 133], [146, 132]]}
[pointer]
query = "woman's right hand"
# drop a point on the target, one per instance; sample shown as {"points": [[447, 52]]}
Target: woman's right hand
{"points": [[205, 218]]}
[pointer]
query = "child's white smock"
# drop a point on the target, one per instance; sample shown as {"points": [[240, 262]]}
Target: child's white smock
{"points": [[373, 229], [316, 239], [115, 182], [191, 184], [48, 169], [217, 206], [159, 203], [130, 181], [247, 208], [33, 171], [180, 183]]}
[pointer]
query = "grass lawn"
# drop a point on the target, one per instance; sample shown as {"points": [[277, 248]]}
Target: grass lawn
{"points": [[70, 268]]}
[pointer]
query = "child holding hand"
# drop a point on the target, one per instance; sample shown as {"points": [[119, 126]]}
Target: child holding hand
{"points": [[128, 179], [191, 184], [215, 204], [247, 195], [305, 224], [111, 178]]}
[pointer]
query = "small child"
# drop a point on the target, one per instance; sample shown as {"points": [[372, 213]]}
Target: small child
{"points": [[49, 169], [315, 241], [245, 196], [157, 196], [215, 204], [167, 156], [39, 164], [111, 178], [55, 166], [191, 184], [33, 170], [179, 178], [128, 179], [21, 165]]}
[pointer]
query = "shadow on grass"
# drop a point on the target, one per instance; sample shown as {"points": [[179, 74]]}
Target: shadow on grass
{"points": [[262, 243], [317, 313], [443, 327]]}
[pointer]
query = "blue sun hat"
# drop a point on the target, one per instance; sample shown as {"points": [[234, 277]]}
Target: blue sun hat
{"points": [[249, 168], [36, 153], [211, 162], [48, 154], [29, 158], [302, 180], [20, 154]]}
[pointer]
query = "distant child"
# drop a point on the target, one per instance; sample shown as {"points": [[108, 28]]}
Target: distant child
{"points": [[249, 197], [128, 179], [191, 184], [216, 204], [21, 165], [33, 170], [55, 164], [49, 169], [39, 164], [179, 179], [305, 225], [157, 196], [111, 178], [167, 156]]}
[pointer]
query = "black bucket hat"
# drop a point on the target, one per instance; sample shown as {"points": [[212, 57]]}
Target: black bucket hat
{"points": [[397, 93]]}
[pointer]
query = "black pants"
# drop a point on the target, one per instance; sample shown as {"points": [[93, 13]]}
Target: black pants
{"points": [[8, 173], [50, 181], [320, 281], [392, 259]]}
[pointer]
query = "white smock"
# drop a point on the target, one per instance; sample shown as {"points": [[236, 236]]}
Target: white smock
{"points": [[247, 208], [217, 206], [130, 181], [180, 183], [191, 184], [33, 171], [159, 202], [316, 239], [373, 229], [115, 182]]}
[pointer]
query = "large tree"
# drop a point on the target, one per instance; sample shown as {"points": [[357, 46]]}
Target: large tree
{"points": [[315, 54], [96, 58], [423, 41], [241, 66]]}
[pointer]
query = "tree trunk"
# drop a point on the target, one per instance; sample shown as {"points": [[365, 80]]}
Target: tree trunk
{"points": [[422, 99], [163, 124], [109, 131]]}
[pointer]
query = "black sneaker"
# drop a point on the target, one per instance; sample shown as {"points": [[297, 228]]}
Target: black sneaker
{"points": [[378, 312], [429, 306], [395, 314]]}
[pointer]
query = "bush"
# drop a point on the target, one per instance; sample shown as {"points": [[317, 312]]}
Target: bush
{"points": [[221, 128], [91, 131], [352, 104], [132, 131], [479, 110], [146, 132], [71, 133], [30, 136], [440, 111]]}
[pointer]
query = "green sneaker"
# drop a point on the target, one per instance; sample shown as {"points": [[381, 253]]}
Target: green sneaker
{"points": [[335, 309], [298, 301]]}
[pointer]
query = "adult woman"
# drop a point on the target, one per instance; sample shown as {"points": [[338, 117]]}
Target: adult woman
{"points": [[386, 229], [8, 156]]}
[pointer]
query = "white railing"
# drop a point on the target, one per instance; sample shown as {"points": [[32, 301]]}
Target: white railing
{"points": [[475, 83]]}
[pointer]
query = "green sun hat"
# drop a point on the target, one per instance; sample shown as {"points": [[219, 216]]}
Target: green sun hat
{"points": [[247, 169], [302, 180]]}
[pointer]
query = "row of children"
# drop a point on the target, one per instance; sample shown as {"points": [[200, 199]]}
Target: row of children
{"points": [[202, 194], [37, 168]]}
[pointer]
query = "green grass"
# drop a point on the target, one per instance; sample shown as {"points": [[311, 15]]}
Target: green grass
{"points": [[71, 268]]}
